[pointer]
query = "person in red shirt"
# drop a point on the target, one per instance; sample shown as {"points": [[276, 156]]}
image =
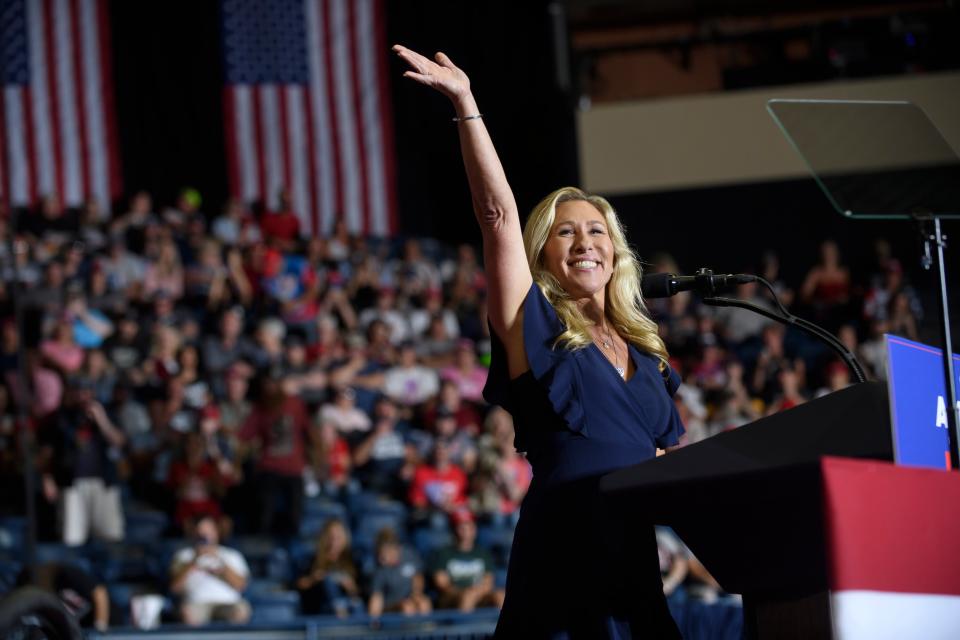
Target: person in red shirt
{"points": [[331, 459], [197, 484], [439, 488], [282, 225], [278, 430], [791, 393]]}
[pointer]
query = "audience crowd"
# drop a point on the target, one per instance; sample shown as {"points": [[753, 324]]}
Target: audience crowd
{"points": [[189, 379]]}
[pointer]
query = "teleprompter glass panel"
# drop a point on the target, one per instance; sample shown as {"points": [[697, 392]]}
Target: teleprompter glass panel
{"points": [[873, 159]]}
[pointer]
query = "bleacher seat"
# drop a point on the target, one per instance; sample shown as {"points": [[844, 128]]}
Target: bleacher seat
{"points": [[380, 505], [9, 570], [265, 558], [278, 566], [145, 526], [361, 500], [261, 587], [161, 556], [12, 532], [370, 524], [324, 507], [62, 554], [120, 596], [371, 513], [497, 540], [301, 555], [316, 514], [277, 606], [122, 562], [429, 540]]}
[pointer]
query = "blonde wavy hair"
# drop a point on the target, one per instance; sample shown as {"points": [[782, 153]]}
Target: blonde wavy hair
{"points": [[624, 304]]}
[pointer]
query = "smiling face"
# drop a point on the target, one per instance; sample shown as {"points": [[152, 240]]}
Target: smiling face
{"points": [[579, 252]]}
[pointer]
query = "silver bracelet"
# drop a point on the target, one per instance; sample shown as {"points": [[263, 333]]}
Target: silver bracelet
{"points": [[475, 116]]}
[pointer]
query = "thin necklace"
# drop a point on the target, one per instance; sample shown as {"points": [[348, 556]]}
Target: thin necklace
{"points": [[608, 343]]}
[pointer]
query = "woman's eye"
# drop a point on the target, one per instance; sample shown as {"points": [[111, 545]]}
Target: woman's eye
{"points": [[597, 231]]}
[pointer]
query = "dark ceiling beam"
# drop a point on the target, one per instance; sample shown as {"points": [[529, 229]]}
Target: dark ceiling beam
{"points": [[635, 36]]}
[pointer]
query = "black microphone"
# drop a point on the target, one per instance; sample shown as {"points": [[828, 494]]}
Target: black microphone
{"points": [[705, 282]]}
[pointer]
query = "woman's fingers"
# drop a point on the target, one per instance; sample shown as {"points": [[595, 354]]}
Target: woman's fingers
{"points": [[420, 63], [442, 74], [422, 78]]}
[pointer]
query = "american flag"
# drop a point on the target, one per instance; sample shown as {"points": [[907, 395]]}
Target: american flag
{"points": [[57, 126], [306, 111]]}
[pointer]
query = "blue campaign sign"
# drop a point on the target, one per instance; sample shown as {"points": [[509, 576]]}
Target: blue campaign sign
{"points": [[918, 406]]}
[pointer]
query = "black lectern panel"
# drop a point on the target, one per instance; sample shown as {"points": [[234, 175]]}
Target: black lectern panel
{"points": [[854, 423], [748, 502]]}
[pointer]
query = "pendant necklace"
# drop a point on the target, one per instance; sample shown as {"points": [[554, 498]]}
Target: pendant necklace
{"points": [[607, 343]]}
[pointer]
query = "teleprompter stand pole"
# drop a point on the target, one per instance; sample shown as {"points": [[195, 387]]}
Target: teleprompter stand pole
{"points": [[935, 242]]}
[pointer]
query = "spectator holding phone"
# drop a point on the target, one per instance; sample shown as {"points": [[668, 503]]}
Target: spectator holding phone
{"points": [[210, 579]]}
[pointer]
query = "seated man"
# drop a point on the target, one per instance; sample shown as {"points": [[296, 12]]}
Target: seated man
{"points": [[210, 579], [463, 574], [397, 583]]}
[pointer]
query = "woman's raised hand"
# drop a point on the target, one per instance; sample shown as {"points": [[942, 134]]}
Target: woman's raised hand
{"points": [[440, 74], [493, 203]]}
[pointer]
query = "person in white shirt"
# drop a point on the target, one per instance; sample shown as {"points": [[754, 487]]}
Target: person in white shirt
{"points": [[410, 383], [386, 311], [210, 579], [344, 414]]}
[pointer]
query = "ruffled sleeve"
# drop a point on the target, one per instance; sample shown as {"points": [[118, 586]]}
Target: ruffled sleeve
{"points": [[672, 380], [673, 429], [552, 368]]}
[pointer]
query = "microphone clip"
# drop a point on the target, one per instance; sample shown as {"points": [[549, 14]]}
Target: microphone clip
{"points": [[709, 284]]}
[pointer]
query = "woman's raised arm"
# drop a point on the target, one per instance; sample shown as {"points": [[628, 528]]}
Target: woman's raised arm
{"points": [[493, 202]]}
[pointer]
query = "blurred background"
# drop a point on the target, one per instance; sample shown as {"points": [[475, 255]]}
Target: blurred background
{"points": [[658, 105], [215, 214]]}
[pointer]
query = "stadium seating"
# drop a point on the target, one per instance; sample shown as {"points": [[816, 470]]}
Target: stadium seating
{"points": [[12, 533], [274, 606], [316, 514]]}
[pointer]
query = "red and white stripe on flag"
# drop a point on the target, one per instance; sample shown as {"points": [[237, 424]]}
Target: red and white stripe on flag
{"points": [[56, 108], [892, 534], [312, 117]]}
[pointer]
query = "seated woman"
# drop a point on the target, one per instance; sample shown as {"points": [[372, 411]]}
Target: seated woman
{"points": [[330, 586]]}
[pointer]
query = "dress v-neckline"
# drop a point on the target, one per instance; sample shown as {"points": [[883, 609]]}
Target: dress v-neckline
{"points": [[623, 379]]}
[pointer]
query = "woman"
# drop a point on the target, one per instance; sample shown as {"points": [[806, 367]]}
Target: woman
{"points": [[61, 350], [330, 586], [469, 376], [581, 368], [205, 280], [826, 287], [165, 274], [330, 461]]}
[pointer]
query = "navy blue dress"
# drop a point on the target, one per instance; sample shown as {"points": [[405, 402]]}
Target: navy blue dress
{"points": [[580, 568]]}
